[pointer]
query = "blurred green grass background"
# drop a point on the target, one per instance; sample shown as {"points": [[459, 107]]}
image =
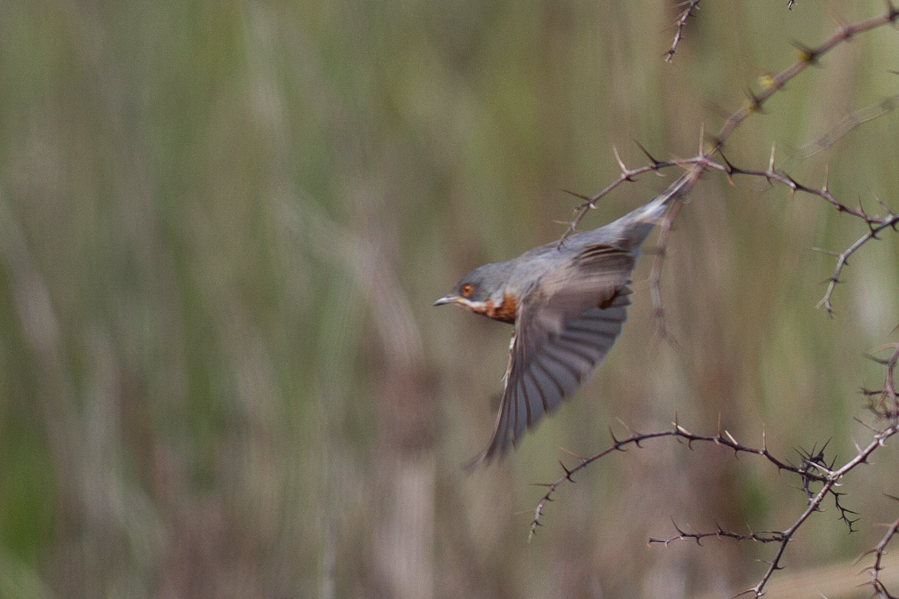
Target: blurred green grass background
{"points": [[222, 226]]}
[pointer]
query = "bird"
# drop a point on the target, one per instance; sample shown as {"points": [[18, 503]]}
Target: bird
{"points": [[567, 301]]}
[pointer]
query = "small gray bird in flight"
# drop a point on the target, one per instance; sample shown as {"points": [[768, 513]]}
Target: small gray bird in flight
{"points": [[568, 303]]}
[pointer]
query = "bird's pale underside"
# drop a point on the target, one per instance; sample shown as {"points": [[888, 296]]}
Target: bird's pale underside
{"points": [[568, 303]]}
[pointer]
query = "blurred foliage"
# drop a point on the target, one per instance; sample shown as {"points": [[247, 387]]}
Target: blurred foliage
{"points": [[221, 229]]}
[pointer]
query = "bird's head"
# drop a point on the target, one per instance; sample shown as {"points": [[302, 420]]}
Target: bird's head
{"points": [[481, 290]]}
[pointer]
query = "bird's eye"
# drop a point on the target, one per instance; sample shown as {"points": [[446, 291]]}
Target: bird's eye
{"points": [[467, 289]]}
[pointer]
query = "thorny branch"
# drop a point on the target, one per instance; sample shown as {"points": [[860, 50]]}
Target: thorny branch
{"points": [[807, 57], [700, 162], [679, 24], [875, 224], [703, 160], [770, 85], [813, 469], [809, 471], [886, 404], [831, 479], [719, 533], [722, 439], [842, 258], [626, 175], [879, 551]]}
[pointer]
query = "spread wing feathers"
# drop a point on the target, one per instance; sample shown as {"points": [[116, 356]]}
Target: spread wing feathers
{"points": [[546, 365], [594, 278]]}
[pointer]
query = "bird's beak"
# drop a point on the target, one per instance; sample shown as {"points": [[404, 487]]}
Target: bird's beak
{"points": [[446, 299]]}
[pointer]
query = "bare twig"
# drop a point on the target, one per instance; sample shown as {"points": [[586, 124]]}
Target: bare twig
{"points": [[655, 275], [806, 58], [626, 175], [719, 533], [843, 257], [812, 470], [722, 439], [679, 26], [695, 167], [770, 86], [879, 551], [887, 405], [850, 122], [701, 162]]}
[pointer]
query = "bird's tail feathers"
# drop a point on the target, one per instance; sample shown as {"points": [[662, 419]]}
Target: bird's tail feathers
{"points": [[652, 211], [636, 225]]}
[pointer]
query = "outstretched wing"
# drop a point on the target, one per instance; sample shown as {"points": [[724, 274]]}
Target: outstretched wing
{"points": [[565, 327]]}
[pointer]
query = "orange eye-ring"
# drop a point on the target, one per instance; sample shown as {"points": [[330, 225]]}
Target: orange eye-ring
{"points": [[467, 289]]}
